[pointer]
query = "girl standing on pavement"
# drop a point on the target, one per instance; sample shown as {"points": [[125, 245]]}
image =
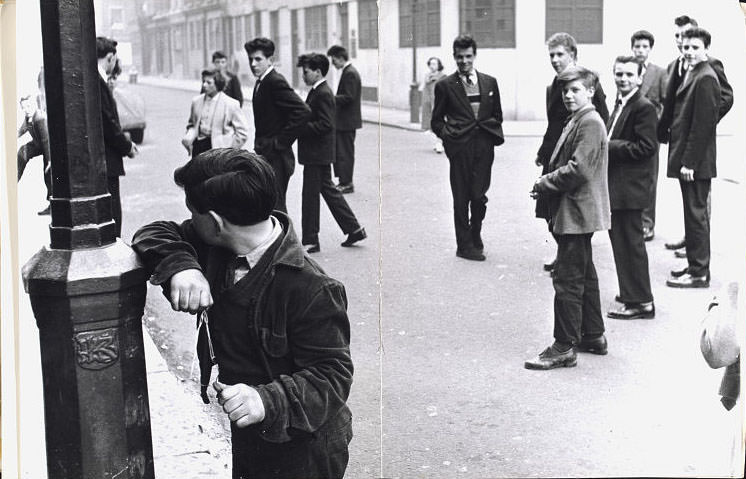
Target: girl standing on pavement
{"points": [[428, 87]]}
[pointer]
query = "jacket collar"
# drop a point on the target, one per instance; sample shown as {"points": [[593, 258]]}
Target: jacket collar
{"points": [[289, 252]]}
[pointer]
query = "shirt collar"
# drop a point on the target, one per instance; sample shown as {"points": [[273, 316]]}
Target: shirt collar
{"points": [[266, 72], [588, 106], [102, 72], [472, 75], [626, 97], [253, 256], [318, 83]]}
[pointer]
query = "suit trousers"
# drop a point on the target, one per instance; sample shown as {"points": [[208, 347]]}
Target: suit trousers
{"points": [[695, 195], [345, 156], [470, 172], [577, 301], [279, 160], [116, 203], [25, 154], [630, 256], [648, 214], [317, 179]]}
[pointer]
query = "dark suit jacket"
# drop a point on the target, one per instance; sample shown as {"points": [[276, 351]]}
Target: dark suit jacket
{"points": [[116, 144], [453, 118], [654, 86], [316, 137], [696, 111], [576, 186], [633, 147], [673, 83], [278, 114], [349, 94], [557, 114]]}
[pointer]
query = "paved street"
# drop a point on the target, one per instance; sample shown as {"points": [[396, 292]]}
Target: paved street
{"points": [[439, 342]]}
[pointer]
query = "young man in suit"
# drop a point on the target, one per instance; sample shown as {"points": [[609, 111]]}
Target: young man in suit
{"points": [[653, 88], [692, 155], [676, 71], [278, 114], [633, 150], [215, 120], [316, 154], [576, 189], [233, 84], [116, 143], [468, 117], [563, 53], [348, 116]]}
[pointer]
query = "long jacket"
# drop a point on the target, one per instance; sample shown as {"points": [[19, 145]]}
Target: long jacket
{"points": [[295, 347]]}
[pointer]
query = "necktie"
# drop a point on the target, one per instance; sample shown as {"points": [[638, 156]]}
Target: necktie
{"points": [[256, 87], [239, 262], [614, 114], [468, 80]]}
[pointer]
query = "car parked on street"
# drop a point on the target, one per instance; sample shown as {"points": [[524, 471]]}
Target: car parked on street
{"points": [[131, 108]]}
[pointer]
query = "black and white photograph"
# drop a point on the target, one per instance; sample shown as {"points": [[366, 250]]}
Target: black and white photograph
{"points": [[299, 239]]}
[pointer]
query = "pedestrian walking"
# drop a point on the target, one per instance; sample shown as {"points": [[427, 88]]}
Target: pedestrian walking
{"points": [[215, 120], [577, 195], [468, 117], [435, 73], [653, 88], [349, 118], [563, 54], [633, 150], [116, 143], [35, 124], [272, 320], [278, 114], [316, 144]]}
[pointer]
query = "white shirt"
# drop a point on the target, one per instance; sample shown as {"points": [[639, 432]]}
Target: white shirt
{"points": [[623, 103], [266, 72], [472, 75], [253, 256], [318, 83], [102, 72]]}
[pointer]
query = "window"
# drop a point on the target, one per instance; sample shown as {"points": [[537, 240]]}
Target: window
{"points": [[368, 23], [583, 19], [116, 16], [490, 22], [344, 25], [427, 22], [316, 28], [274, 32], [257, 25]]}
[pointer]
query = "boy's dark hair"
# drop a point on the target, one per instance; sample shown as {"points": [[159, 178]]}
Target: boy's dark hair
{"points": [[642, 35], [261, 44], [215, 75], [314, 61], [700, 33], [218, 55], [462, 42], [236, 184], [338, 51], [685, 20], [562, 39], [440, 63], [105, 46], [630, 59], [575, 72]]}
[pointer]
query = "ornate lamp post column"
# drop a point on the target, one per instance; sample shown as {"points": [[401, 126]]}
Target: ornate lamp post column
{"points": [[87, 289]]}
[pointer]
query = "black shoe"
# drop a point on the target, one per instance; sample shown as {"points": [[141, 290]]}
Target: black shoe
{"points": [[676, 245], [552, 358], [346, 188], [648, 234], [45, 211], [633, 311], [689, 281], [550, 265], [478, 243], [471, 253], [354, 237], [312, 248], [618, 299], [678, 273], [594, 346], [680, 253]]}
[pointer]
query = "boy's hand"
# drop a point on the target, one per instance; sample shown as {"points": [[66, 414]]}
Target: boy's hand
{"points": [[190, 291], [241, 403], [687, 174]]}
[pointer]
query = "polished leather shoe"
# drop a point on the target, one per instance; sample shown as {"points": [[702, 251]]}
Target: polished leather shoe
{"points": [[312, 248], [648, 234], [354, 237], [688, 281], [676, 245], [633, 311], [346, 188], [550, 265], [45, 211], [471, 253], [618, 299], [678, 273], [680, 253], [552, 358], [594, 346]]}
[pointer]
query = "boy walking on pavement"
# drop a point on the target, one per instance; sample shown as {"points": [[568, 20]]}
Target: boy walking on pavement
{"points": [[272, 320], [576, 190], [316, 154]]}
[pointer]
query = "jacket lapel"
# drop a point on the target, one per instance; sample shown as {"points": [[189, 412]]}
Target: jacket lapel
{"points": [[624, 114], [458, 89]]}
